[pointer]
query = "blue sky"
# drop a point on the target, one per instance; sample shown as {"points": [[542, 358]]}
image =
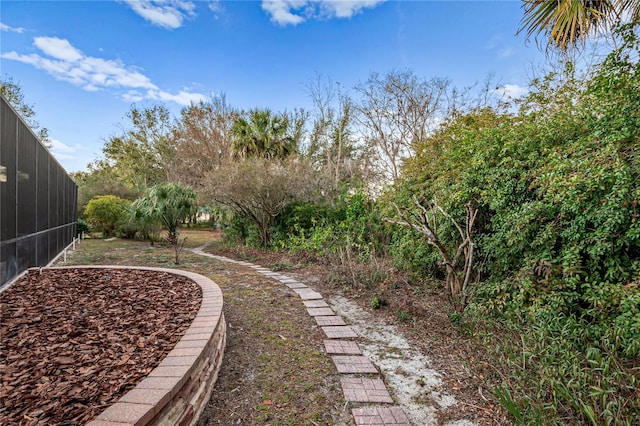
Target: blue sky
{"points": [[83, 63]]}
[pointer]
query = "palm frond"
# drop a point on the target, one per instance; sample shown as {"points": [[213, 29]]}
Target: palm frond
{"points": [[565, 22]]}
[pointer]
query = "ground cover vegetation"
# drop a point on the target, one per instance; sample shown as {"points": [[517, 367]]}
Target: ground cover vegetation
{"points": [[274, 370], [525, 211]]}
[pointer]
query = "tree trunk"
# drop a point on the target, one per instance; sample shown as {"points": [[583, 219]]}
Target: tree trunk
{"points": [[425, 223], [265, 237]]}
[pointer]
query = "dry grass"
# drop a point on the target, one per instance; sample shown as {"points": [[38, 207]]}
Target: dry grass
{"points": [[274, 371]]}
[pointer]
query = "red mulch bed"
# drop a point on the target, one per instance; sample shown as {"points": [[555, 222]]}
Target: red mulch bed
{"points": [[74, 341]]}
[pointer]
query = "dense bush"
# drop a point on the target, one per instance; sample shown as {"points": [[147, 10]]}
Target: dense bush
{"points": [[352, 221], [82, 227], [105, 213], [141, 225], [241, 231], [558, 236]]}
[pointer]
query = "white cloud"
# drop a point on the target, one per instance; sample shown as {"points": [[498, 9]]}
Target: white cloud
{"points": [[294, 12], [59, 146], [183, 97], [505, 53], [65, 62], [215, 6], [5, 27], [512, 91], [280, 11], [168, 14], [58, 48], [63, 151], [348, 8], [132, 96]]}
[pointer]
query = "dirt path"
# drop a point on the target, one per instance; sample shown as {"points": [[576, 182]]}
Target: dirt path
{"points": [[276, 371], [416, 387]]}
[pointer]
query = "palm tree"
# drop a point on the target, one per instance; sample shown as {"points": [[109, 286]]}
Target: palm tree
{"points": [[170, 204], [569, 22], [263, 135]]}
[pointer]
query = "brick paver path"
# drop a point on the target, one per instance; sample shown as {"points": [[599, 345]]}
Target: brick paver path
{"points": [[346, 347], [392, 416], [315, 304], [353, 364], [339, 332], [359, 389], [296, 285], [329, 320], [346, 354], [307, 294], [320, 312]]}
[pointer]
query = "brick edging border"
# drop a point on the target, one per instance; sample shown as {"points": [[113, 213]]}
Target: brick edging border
{"points": [[178, 389]]}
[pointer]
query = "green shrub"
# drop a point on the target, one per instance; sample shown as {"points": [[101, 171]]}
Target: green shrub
{"points": [[351, 223], [558, 236], [105, 213], [241, 231], [82, 227], [141, 225], [377, 302], [410, 252], [127, 229]]}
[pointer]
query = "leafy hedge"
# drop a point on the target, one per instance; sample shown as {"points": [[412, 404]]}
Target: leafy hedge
{"points": [[353, 220], [557, 186]]}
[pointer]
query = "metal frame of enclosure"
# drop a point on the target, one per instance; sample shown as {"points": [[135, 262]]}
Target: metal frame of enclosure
{"points": [[38, 199]]}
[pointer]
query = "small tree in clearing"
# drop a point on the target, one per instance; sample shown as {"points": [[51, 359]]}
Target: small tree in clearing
{"points": [[171, 204], [259, 189]]}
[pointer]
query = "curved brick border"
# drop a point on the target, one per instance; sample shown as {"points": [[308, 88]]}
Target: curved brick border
{"points": [[177, 390]]}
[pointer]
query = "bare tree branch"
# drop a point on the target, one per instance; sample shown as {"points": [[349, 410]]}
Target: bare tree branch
{"points": [[425, 222], [395, 112]]}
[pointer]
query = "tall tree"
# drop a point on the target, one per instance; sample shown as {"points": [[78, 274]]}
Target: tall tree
{"points": [[395, 112], [568, 23], [202, 140], [332, 144], [262, 134], [12, 92], [139, 156]]}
